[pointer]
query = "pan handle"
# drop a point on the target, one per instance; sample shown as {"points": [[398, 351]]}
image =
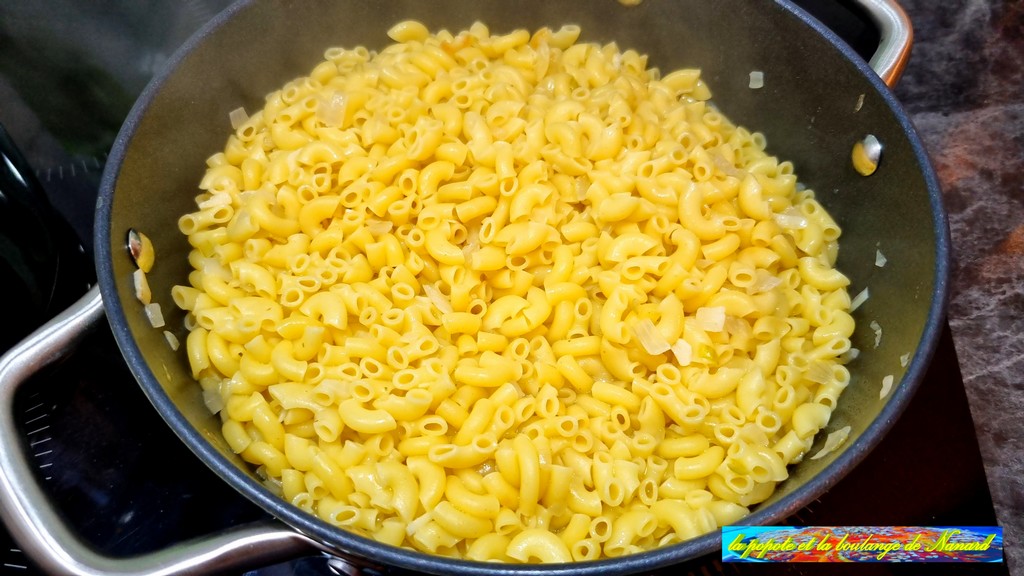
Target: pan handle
{"points": [[40, 529], [897, 35]]}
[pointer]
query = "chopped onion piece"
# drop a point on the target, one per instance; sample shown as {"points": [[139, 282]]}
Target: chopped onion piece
{"points": [[238, 117], [905, 359], [765, 281], [617, 57], [467, 251], [753, 433], [849, 356], [216, 200], [711, 318], [214, 267], [437, 299], [261, 471], [172, 340], [683, 352], [819, 372], [725, 166], [860, 103], [834, 440], [756, 79], [418, 523], [142, 291], [734, 325], [156, 317], [859, 299], [791, 218], [379, 227], [582, 186], [650, 338], [880, 259], [878, 332], [213, 400], [264, 192], [886, 387], [331, 111]]}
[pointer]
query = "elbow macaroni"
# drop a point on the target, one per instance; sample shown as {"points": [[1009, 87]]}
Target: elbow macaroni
{"points": [[418, 277]]}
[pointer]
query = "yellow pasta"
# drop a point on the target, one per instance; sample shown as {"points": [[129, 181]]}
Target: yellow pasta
{"points": [[512, 297]]}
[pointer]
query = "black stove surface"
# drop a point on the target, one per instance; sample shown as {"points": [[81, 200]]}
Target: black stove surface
{"points": [[129, 486]]}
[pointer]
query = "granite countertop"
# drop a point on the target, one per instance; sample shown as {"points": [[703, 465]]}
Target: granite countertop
{"points": [[964, 91]]}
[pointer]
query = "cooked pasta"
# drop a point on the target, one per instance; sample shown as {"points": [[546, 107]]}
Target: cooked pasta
{"points": [[512, 297]]}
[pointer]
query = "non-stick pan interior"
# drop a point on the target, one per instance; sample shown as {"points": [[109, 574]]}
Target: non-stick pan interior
{"points": [[815, 104]]}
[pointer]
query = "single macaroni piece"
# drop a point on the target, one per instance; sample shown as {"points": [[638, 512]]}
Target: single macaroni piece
{"points": [[511, 297]]}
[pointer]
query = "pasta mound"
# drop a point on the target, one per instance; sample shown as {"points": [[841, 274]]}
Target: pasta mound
{"points": [[511, 297]]}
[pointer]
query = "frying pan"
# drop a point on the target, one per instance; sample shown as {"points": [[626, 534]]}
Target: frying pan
{"points": [[818, 100]]}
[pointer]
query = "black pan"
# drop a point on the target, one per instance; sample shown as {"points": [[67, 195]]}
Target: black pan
{"points": [[819, 99]]}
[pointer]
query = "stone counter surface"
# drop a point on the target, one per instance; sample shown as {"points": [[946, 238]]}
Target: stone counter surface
{"points": [[964, 91]]}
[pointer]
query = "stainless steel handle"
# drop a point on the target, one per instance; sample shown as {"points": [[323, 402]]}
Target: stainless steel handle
{"points": [[39, 529], [897, 36]]}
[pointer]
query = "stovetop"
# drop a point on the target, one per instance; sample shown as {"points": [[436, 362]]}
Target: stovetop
{"points": [[128, 485]]}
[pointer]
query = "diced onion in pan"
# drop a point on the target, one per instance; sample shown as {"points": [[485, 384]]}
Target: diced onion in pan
{"points": [[155, 315], [791, 218], [711, 318], [765, 282], [849, 356], [213, 401], [859, 299], [819, 372], [650, 338], [756, 79], [379, 227], [238, 117], [172, 340], [886, 387], [683, 352], [877, 328], [582, 186], [216, 200], [142, 291], [331, 110], [437, 299], [725, 166], [834, 440], [418, 523]]}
